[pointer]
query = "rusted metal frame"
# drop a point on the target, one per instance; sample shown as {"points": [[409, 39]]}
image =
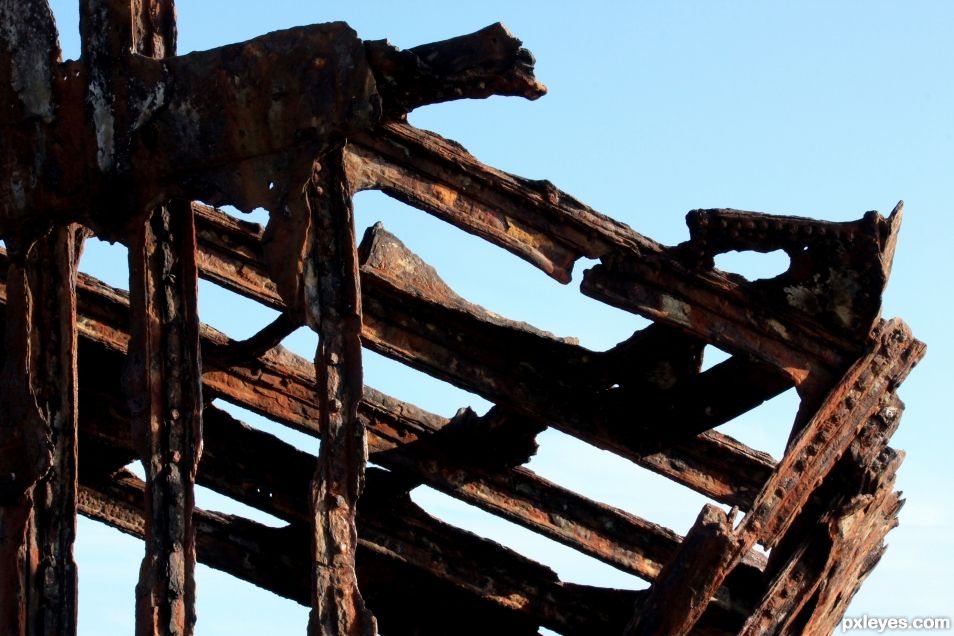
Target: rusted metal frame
{"points": [[407, 599], [231, 256], [408, 318], [611, 535], [709, 463], [865, 470], [551, 230], [865, 389], [164, 389], [395, 423], [382, 404], [263, 472], [38, 594], [38, 586], [675, 594], [332, 297], [99, 304], [271, 475], [403, 438], [532, 219], [838, 532], [284, 393], [810, 593]]}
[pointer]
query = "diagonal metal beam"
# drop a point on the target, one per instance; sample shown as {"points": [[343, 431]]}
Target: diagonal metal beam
{"points": [[280, 386], [865, 389], [392, 526], [408, 600], [551, 230], [231, 255]]}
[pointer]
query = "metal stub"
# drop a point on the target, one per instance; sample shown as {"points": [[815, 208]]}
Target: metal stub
{"points": [[488, 62]]}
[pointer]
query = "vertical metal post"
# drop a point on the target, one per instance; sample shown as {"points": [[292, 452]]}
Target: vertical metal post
{"points": [[333, 305], [165, 395], [38, 511]]}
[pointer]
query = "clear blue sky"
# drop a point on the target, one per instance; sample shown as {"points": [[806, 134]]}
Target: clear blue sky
{"points": [[816, 109]]}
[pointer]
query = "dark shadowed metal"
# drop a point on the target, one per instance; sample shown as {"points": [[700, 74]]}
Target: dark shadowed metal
{"points": [[126, 141]]}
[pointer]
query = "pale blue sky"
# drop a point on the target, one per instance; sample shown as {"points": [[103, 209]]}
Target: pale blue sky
{"points": [[816, 109]]}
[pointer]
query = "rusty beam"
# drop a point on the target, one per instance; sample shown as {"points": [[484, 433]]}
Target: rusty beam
{"points": [[411, 316], [279, 386], [38, 502], [38, 588], [53, 272], [391, 525], [236, 464], [866, 389], [839, 531], [163, 375], [408, 600], [26, 450], [231, 255], [163, 386], [676, 594], [532, 219], [810, 593], [332, 298], [550, 229]]}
